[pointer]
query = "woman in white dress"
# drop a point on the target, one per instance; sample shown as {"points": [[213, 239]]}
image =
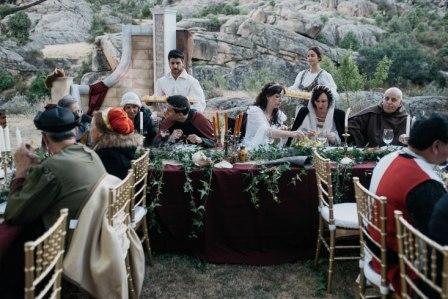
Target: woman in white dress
{"points": [[308, 79], [265, 120]]}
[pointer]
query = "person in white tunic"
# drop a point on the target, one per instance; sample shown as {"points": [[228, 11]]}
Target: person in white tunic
{"points": [[179, 82], [307, 79], [265, 120]]}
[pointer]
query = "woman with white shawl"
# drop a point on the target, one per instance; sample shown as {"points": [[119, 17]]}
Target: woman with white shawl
{"points": [[265, 120], [320, 117]]}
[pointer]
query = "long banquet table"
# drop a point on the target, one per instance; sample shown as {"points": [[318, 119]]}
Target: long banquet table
{"points": [[234, 230]]}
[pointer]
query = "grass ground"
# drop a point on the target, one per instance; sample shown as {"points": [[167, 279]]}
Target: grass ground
{"points": [[182, 276]]}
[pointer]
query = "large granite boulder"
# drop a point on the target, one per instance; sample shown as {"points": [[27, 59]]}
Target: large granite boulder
{"points": [[60, 22], [13, 61]]}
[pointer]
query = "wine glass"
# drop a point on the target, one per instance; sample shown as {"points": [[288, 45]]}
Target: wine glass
{"points": [[388, 136]]}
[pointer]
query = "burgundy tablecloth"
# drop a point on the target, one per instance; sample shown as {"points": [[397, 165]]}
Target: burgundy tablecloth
{"points": [[234, 230]]}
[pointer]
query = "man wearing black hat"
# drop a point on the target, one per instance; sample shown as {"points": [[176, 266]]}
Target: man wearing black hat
{"points": [[39, 191], [185, 124]]}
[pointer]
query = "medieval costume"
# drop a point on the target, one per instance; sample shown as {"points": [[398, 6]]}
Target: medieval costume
{"points": [[306, 120], [117, 144], [63, 180], [410, 185], [366, 127], [306, 80], [185, 85], [258, 127], [196, 123], [149, 129]]}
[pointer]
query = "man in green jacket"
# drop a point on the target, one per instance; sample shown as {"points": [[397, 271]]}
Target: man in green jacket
{"points": [[65, 179]]}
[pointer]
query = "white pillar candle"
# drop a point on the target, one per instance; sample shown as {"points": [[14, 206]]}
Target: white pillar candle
{"points": [[346, 118], [7, 140], [18, 137], [413, 121], [141, 122], [408, 125], [2, 139]]}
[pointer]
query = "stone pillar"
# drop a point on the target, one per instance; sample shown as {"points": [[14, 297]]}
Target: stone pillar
{"points": [[164, 39]]}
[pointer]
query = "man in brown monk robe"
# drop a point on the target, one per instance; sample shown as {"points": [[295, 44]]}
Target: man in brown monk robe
{"points": [[367, 126], [185, 124]]}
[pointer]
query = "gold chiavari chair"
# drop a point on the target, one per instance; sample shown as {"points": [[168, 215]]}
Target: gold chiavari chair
{"points": [[423, 262], [138, 202], [340, 219], [43, 261], [118, 214], [372, 219]]}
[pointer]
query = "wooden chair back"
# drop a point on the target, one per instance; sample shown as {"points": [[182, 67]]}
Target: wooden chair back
{"points": [[421, 258], [43, 261], [140, 168], [372, 226], [324, 183]]}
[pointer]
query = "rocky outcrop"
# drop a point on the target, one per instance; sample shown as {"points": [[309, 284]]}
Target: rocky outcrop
{"points": [[60, 22], [14, 62], [427, 104]]}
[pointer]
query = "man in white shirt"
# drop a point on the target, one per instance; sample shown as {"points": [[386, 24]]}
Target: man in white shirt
{"points": [[179, 82]]}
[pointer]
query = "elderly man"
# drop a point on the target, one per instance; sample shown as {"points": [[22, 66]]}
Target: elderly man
{"points": [[185, 124], [133, 106], [82, 132], [39, 190], [366, 127], [408, 180], [179, 82]]}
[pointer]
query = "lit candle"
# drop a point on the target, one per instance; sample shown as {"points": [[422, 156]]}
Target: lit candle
{"points": [[18, 137], [214, 127], [346, 119], [408, 125], [2, 139], [413, 121], [226, 122], [141, 122], [217, 123], [7, 139]]}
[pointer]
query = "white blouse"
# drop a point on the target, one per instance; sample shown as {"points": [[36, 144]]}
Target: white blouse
{"points": [[308, 78], [258, 128]]}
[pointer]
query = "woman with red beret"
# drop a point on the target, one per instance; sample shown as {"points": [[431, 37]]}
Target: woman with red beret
{"points": [[114, 141]]}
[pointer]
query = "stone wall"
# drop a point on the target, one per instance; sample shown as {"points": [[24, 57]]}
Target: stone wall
{"points": [[139, 77]]}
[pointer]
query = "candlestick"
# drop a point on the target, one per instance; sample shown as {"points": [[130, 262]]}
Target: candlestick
{"points": [[346, 119], [18, 137], [408, 125], [7, 140], [141, 122], [214, 126]]}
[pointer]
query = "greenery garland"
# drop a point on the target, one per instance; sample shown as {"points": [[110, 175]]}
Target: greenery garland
{"points": [[261, 176]]}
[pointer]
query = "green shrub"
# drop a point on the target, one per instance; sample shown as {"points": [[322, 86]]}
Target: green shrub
{"points": [[146, 11], [219, 8], [19, 25], [350, 41], [99, 27], [6, 80], [215, 23], [178, 17], [381, 73], [320, 38], [348, 77], [324, 19], [37, 89], [255, 81], [410, 63]]}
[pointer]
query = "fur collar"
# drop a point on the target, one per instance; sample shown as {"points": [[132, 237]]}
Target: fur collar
{"points": [[118, 140]]}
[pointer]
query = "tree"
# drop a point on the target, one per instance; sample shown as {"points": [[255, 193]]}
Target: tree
{"points": [[19, 25], [381, 73], [348, 77], [350, 41], [7, 9]]}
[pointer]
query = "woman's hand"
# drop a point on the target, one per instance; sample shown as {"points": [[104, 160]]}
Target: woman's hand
{"points": [[177, 133], [297, 134]]}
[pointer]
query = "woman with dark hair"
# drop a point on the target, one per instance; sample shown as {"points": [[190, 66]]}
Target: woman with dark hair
{"points": [[114, 141], [308, 79], [320, 117], [265, 120]]}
